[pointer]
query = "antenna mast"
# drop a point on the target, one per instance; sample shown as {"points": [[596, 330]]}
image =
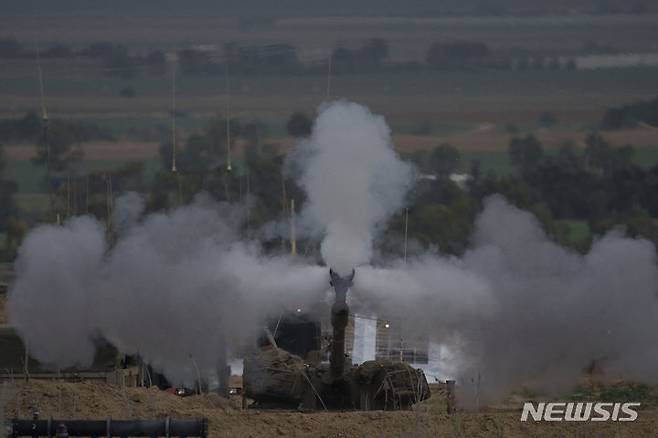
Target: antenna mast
{"points": [[293, 231], [44, 112], [228, 120], [173, 118], [44, 123], [406, 231], [331, 56]]}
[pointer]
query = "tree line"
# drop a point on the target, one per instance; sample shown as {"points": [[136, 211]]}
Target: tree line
{"points": [[599, 184], [372, 56]]}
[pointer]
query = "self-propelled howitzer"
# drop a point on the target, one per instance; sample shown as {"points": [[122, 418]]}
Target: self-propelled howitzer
{"points": [[287, 370]]}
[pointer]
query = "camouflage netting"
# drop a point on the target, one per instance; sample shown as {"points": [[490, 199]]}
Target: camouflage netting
{"points": [[389, 385], [272, 374]]}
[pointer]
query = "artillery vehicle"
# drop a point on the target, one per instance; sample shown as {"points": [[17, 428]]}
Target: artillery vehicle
{"points": [[286, 369]]}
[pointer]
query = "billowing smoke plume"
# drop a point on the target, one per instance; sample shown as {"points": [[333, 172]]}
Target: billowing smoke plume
{"points": [[354, 181], [176, 288], [520, 310], [180, 288]]}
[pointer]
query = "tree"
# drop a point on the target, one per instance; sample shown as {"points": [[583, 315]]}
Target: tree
{"points": [[194, 61], [156, 62], [343, 61], [268, 59], [448, 223], [60, 146], [58, 51], [614, 118], [525, 152], [120, 63], [642, 112], [458, 54], [568, 155], [523, 63], [625, 186], [98, 49], [373, 53], [475, 170], [253, 132], [554, 63], [444, 160], [547, 119], [602, 156], [25, 129], [537, 63], [571, 65], [7, 191], [651, 191], [15, 230], [640, 224], [561, 183], [203, 152], [299, 125], [10, 48]]}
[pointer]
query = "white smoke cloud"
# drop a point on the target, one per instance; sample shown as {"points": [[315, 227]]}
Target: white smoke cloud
{"points": [[520, 310], [51, 302], [128, 210], [175, 288], [353, 179]]}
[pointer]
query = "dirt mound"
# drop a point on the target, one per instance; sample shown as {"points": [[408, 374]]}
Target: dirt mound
{"points": [[86, 400], [98, 400]]}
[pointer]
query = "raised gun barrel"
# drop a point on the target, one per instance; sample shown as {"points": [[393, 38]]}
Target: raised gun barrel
{"points": [[339, 317]]}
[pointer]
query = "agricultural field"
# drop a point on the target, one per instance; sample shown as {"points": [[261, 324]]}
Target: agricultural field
{"points": [[476, 112]]}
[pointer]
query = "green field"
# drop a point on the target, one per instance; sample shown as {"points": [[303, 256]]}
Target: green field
{"points": [[498, 161], [65, 80], [30, 178]]}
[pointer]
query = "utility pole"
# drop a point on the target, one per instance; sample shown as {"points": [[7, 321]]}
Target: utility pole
{"points": [[331, 55], [293, 233], [406, 232], [173, 118]]}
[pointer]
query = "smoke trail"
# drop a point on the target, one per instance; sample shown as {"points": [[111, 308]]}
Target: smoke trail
{"points": [[174, 287], [354, 181], [521, 310]]}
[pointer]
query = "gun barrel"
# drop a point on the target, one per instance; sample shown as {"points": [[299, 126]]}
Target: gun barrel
{"points": [[339, 317]]}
